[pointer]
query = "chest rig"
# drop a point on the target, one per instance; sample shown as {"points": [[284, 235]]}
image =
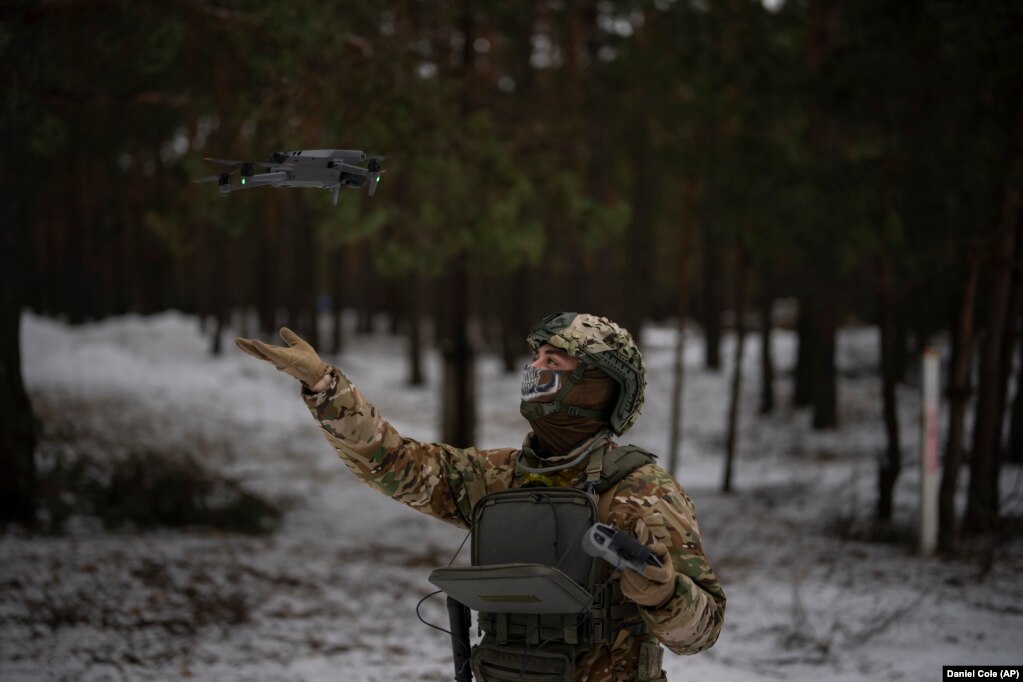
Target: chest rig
{"points": [[541, 600]]}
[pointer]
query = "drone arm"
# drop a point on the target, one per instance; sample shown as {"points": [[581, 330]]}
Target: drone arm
{"points": [[261, 179], [348, 168]]}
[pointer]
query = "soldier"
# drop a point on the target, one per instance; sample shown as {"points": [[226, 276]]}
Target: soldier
{"points": [[584, 386]]}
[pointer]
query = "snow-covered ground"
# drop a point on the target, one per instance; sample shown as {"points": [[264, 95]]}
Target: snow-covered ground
{"points": [[332, 594]]}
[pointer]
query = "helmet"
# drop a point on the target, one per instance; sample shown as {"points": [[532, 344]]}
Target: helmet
{"points": [[599, 342]]}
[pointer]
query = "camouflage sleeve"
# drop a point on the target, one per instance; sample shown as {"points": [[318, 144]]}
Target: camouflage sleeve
{"points": [[439, 480], [651, 505]]}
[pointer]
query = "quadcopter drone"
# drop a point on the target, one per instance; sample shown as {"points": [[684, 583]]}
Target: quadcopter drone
{"points": [[327, 168]]}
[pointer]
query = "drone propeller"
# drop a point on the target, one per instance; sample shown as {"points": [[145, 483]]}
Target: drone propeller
{"points": [[245, 165], [219, 177], [223, 162]]}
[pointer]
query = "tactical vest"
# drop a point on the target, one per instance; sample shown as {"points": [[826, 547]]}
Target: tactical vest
{"points": [[541, 600]]}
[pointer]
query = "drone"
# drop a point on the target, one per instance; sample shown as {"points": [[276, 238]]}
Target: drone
{"points": [[326, 168]]}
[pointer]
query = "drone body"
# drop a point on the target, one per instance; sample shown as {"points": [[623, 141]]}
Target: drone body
{"points": [[326, 168]]}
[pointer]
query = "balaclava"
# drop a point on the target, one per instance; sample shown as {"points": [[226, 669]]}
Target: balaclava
{"points": [[557, 433]]}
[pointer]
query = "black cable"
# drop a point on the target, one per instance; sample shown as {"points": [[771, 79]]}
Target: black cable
{"points": [[434, 594], [573, 544], [459, 550], [422, 620], [537, 497]]}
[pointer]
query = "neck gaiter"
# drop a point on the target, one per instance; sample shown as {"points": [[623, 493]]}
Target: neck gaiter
{"points": [[558, 433]]}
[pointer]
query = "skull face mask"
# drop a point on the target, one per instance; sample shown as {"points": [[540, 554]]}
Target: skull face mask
{"points": [[538, 383]]}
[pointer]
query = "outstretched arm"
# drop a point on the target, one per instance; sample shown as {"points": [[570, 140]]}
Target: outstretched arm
{"points": [[436, 479], [439, 480]]}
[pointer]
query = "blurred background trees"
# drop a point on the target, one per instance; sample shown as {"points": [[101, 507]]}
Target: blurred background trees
{"points": [[643, 160]]}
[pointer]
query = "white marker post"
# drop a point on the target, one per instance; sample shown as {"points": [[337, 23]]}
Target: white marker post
{"points": [[929, 454]]}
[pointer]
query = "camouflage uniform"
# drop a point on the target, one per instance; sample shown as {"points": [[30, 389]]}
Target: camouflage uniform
{"points": [[446, 482]]}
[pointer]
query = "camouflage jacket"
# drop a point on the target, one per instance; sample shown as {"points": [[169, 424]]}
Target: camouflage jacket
{"points": [[446, 482]]}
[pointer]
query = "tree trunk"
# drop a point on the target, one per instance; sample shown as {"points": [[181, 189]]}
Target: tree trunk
{"points": [[766, 356], [337, 277], [304, 278], [644, 185], [1015, 453], [219, 296], [364, 289], [902, 351], [682, 311], [677, 395], [217, 272], [712, 285], [1009, 342], [394, 305], [802, 392], [958, 395], [825, 375], [816, 376], [458, 383], [982, 505], [219, 327], [17, 423], [415, 331], [891, 465], [513, 326], [731, 438], [267, 277]]}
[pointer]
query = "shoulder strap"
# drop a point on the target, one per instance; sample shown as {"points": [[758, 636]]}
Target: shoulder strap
{"points": [[617, 464], [621, 462], [604, 503]]}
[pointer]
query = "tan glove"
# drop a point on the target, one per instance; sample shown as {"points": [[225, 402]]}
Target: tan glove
{"points": [[298, 359], [656, 586]]}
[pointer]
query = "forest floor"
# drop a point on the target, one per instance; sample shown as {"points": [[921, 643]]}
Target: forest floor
{"points": [[815, 590]]}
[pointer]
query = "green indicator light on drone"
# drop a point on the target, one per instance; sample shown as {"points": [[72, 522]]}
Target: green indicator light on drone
{"points": [[378, 178], [243, 181]]}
